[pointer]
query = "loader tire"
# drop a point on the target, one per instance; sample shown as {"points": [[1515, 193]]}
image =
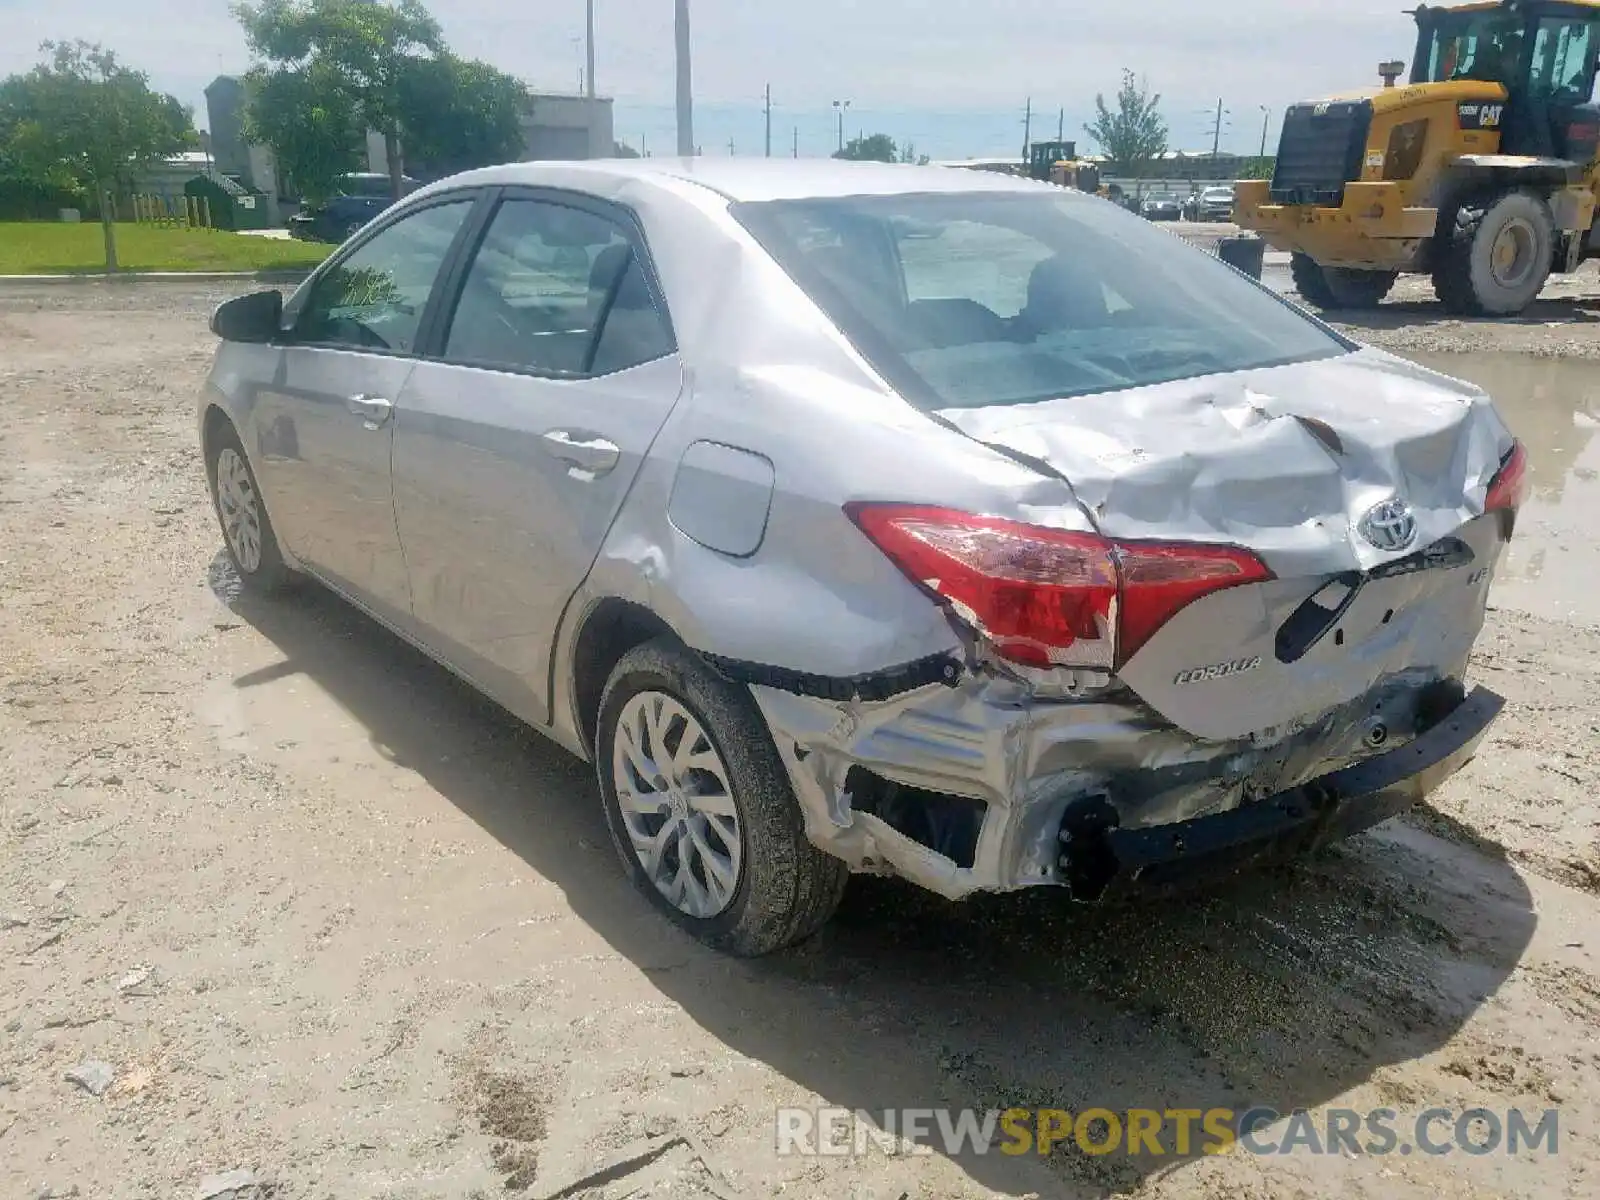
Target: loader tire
{"points": [[1338, 287], [1494, 253]]}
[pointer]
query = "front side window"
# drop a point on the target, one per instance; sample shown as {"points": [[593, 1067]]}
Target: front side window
{"points": [[558, 290], [375, 298], [973, 299], [1563, 52], [1482, 45]]}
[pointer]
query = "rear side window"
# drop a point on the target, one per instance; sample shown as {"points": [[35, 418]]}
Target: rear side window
{"points": [[557, 290], [967, 299], [375, 298]]}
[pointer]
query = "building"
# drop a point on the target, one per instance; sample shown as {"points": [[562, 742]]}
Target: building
{"points": [[556, 126], [225, 102], [566, 127]]}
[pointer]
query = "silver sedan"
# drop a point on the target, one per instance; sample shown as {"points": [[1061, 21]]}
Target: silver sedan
{"points": [[875, 518]]}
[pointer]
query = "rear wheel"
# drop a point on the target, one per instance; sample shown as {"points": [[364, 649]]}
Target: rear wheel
{"points": [[1338, 287], [701, 810], [1494, 254]]}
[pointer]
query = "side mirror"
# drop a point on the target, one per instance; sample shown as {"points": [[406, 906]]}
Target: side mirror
{"points": [[253, 318]]}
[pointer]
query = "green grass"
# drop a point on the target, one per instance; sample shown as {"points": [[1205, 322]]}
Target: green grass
{"points": [[46, 248]]}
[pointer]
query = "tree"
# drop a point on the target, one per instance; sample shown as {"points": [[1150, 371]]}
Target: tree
{"points": [[362, 49], [876, 147], [310, 123], [84, 121], [1135, 134], [458, 113]]}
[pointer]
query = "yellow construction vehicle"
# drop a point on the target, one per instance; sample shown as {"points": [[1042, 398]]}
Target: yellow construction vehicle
{"points": [[1058, 163], [1480, 172]]}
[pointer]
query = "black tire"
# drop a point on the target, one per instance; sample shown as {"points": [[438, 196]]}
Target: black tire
{"points": [[787, 888], [1463, 274], [1338, 287], [264, 573]]}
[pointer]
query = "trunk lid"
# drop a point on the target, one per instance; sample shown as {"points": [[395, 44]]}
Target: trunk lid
{"points": [[1286, 462]]}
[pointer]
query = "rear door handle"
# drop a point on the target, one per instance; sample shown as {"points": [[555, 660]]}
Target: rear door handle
{"points": [[373, 410], [587, 451]]}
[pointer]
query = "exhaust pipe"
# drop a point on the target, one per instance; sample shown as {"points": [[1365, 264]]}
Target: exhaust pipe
{"points": [[1390, 71]]}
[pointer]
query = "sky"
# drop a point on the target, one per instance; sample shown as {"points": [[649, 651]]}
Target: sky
{"points": [[950, 76]]}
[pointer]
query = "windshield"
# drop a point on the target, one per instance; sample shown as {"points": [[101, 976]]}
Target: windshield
{"points": [[1479, 45], [973, 299]]}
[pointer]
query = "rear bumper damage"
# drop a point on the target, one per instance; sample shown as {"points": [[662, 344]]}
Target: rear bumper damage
{"points": [[1108, 862], [973, 784]]}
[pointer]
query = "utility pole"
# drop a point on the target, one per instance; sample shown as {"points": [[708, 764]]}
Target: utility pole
{"points": [[680, 26], [1027, 127], [843, 106], [797, 141], [1061, 126], [1266, 115], [589, 78], [1216, 130], [769, 120], [730, 147]]}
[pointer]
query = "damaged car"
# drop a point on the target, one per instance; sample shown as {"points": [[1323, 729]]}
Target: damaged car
{"points": [[866, 518]]}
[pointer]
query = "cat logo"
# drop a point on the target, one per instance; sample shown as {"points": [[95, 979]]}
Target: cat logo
{"points": [[1491, 115], [1321, 110], [1480, 116]]}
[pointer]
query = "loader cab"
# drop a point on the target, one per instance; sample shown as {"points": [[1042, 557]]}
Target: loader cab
{"points": [[1543, 52], [1043, 156]]}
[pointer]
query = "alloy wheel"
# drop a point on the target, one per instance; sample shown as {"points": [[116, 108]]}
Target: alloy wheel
{"points": [[677, 805], [240, 509]]}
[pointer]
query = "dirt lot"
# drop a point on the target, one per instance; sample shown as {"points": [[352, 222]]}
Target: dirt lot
{"points": [[329, 918]]}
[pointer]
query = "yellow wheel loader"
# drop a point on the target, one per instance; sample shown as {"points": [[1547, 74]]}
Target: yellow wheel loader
{"points": [[1058, 163], [1480, 172]]}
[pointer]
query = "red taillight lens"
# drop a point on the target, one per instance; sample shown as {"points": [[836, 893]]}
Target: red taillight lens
{"points": [[1509, 487], [1044, 597], [1161, 578], [1051, 597]]}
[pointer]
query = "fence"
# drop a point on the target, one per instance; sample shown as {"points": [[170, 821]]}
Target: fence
{"points": [[173, 212]]}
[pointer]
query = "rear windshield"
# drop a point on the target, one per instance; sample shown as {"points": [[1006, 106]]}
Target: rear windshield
{"points": [[969, 299]]}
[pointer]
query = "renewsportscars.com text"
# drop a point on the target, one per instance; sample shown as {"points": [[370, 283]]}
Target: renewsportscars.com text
{"points": [[1179, 1132]]}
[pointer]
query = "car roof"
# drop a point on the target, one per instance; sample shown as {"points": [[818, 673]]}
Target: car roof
{"points": [[755, 179]]}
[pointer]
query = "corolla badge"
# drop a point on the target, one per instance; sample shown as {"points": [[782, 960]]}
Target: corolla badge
{"points": [[1389, 525]]}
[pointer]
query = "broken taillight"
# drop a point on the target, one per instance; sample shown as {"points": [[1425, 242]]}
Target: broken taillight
{"points": [[1509, 487], [1051, 597]]}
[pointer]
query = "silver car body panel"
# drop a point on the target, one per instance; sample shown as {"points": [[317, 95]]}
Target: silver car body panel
{"points": [[729, 527]]}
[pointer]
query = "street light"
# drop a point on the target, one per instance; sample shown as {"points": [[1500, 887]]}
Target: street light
{"points": [[843, 106], [589, 78], [1266, 116], [685, 88]]}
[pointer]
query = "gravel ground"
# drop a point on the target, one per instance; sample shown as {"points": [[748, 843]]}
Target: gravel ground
{"points": [[327, 918]]}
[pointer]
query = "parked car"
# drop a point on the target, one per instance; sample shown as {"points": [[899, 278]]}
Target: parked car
{"points": [[1161, 208], [1211, 204], [876, 518], [361, 197]]}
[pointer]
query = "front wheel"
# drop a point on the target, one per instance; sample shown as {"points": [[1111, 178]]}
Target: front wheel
{"points": [[246, 528], [701, 810], [1338, 287], [1495, 254]]}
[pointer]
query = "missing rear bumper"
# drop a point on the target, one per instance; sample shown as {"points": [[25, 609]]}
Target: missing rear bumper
{"points": [[1101, 862]]}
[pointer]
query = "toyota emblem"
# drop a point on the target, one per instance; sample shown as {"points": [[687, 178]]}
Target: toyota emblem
{"points": [[1389, 525]]}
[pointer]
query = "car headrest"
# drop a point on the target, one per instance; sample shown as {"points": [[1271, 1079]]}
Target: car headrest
{"points": [[608, 267]]}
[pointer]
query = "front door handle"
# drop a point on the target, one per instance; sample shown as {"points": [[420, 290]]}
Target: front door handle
{"points": [[586, 451], [373, 410]]}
